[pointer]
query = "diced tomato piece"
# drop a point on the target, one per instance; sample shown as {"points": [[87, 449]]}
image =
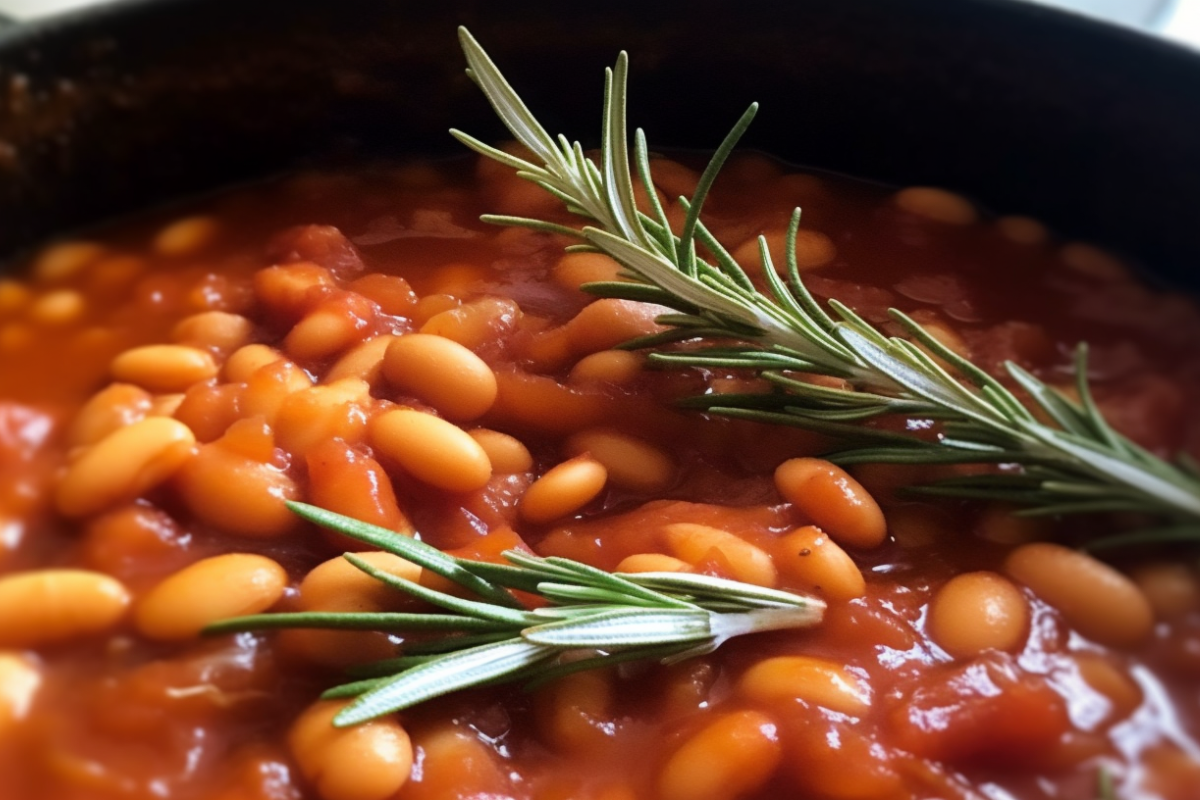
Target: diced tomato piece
{"points": [[987, 710]]}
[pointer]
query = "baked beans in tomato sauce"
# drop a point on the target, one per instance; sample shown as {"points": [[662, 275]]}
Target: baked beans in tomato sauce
{"points": [[360, 341]]}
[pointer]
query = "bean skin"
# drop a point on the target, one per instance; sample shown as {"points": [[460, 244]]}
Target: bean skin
{"points": [[116, 406], [431, 449], [370, 761], [632, 463], [978, 611], [814, 680], [832, 499], [809, 556], [1095, 599], [58, 605], [241, 495], [747, 562], [208, 591], [164, 367], [508, 454], [731, 756], [440, 372], [124, 464], [563, 490]]}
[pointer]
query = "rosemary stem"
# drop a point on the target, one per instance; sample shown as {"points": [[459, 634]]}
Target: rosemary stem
{"points": [[728, 625]]}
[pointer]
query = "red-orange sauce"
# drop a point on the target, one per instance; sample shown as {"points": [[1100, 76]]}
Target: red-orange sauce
{"points": [[117, 715]]}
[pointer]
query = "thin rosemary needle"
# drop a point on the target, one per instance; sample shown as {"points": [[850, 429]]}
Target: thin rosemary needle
{"points": [[590, 618], [1059, 455]]}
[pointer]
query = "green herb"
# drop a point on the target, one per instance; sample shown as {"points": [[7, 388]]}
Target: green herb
{"points": [[1073, 463], [590, 618], [1106, 788]]}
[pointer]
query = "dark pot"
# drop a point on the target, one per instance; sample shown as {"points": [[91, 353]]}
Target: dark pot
{"points": [[1089, 127]]}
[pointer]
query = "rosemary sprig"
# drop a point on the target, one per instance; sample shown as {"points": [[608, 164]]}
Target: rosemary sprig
{"points": [[1073, 463], [590, 618]]}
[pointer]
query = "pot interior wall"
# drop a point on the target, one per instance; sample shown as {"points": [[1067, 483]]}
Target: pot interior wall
{"points": [[1028, 110]]}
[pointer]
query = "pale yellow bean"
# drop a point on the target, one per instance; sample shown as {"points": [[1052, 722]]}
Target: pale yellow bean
{"points": [[325, 331], [65, 260], [115, 406], [250, 438], [693, 543], [814, 680], [185, 236], [1172, 589], [507, 453], [20, 679], [432, 306], [1000, 524], [288, 290], [270, 386], [442, 373], [431, 449], [652, 562], [603, 324], [164, 367], [219, 330], [563, 490], [813, 249], [632, 463], [247, 360], [237, 494], [124, 464], [58, 605], [338, 585], [978, 611], [807, 555], [314, 415], [165, 405], [363, 361], [1095, 599], [575, 269], [833, 500], [457, 763], [937, 204], [617, 367], [370, 761], [208, 591], [574, 712], [60, 307], [476, 323], [730, 757]]}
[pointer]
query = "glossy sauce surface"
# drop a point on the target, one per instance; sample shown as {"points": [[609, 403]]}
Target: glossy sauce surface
{"points": [[909, 689]]}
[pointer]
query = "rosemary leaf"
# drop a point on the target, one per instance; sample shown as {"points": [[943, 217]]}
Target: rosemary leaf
{"points": [[608, 617], [415, 551], [445, 674], [629, 627], [785, 329], [354, 621], [470, 608]]}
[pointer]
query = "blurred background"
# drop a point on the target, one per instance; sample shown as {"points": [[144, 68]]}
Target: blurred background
{"points": [[1173, 19]]}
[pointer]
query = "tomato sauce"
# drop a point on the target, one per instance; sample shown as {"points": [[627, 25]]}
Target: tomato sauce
{"points": [[280, 395]]}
